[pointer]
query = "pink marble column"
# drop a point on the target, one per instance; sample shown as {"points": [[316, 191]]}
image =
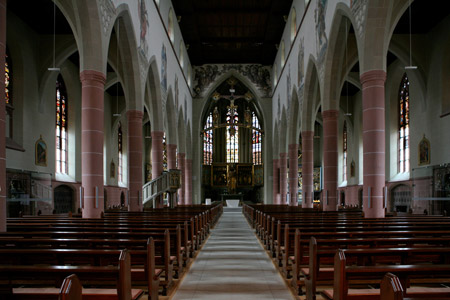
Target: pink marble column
{"points": [[307, 168], [181, 191], [293, 174], [283, 178], [330, 134], [373, 142], [135, 158], [188, 177], [171, 156], [157, 159], [92, 93], [276, 181], [2, 118]]}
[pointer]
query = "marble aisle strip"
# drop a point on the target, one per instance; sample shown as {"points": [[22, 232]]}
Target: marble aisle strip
{"points": [[232, 265]]}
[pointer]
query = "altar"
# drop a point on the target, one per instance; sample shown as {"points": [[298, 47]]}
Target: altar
{"points": [[232, 200]]}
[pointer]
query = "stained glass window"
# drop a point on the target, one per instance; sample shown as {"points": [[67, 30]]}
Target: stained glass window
{"points": [[120, 150], [256, 140], [208, 140], [8, 83], [164, 152], [61, 127], [344, 153], [232, 137], [403, 132]]}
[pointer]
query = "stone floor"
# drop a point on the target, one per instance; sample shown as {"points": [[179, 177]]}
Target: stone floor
{"points": [[232, 265]]}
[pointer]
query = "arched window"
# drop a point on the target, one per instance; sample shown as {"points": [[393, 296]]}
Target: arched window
{"points": [[256, 140], [403, 131], [293, 24], [283, 55], [8, 95], [120, 150], [344, 152], [165, 152], [232, 137], [61, 127], [208, 140], [170, 26]]}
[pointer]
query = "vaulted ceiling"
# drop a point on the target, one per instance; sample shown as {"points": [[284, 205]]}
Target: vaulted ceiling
{"points": [[232, 31]]}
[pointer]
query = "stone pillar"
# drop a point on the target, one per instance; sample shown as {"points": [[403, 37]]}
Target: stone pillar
{"points": [[330, 163], [307, 168], [92, 106], [2, 117], [157, 160], [181, 191], [293, 174], [188, 177], [373, 142], [135, 179], [276, 181], [283, 178], [171, 156]]}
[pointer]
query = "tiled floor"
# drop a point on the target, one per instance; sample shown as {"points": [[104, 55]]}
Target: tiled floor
{"points": [[232, 265]]}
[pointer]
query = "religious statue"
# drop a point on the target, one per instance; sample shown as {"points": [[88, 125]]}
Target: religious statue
{"points": [[216, 117], [232, 180]]}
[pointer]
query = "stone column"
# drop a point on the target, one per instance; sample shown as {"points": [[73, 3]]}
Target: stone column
{"points": [[373, 142], [92, 105], [2, 117], [181, 191], [276, 183], [171, 156], [283, 178], [157, 160], [307, 168], [135, 179], [188, 177], [293, 174], [330, 135]]}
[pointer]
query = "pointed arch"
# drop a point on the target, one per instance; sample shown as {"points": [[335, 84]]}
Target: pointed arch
{"points": [[335, 59], [294, 118], [153, 96], [128, 64], [169, 118], [311, 96]]}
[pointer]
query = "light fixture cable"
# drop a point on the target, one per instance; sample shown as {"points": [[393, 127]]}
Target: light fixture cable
{"points": [[54, 68]]}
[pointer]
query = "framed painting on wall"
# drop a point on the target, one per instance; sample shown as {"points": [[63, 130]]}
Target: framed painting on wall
{"points": [[424, 151], [41, 152]]}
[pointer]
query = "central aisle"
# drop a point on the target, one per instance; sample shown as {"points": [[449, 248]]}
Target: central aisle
{"points": [[232, 265]]}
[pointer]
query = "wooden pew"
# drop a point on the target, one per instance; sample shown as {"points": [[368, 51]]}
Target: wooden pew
{"points": [[320, 258], [120, 274], [345, 275], [163, 258], [70, 289]]}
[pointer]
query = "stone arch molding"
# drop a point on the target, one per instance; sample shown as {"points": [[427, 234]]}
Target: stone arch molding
{"points": [[207, 75], [239, 77]]}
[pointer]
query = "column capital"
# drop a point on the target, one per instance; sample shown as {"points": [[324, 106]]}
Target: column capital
{"points": [[307, 134], [157, 134], [182, 155], [330, 114], [171, 147], [293, 147], [92, 75], [283, 155], [373, 75], [135, 114]]}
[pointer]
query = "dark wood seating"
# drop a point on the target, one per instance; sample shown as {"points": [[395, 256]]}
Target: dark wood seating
{"points": [[320, 266], [391, 289], [345, 276], [118, 275]]}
